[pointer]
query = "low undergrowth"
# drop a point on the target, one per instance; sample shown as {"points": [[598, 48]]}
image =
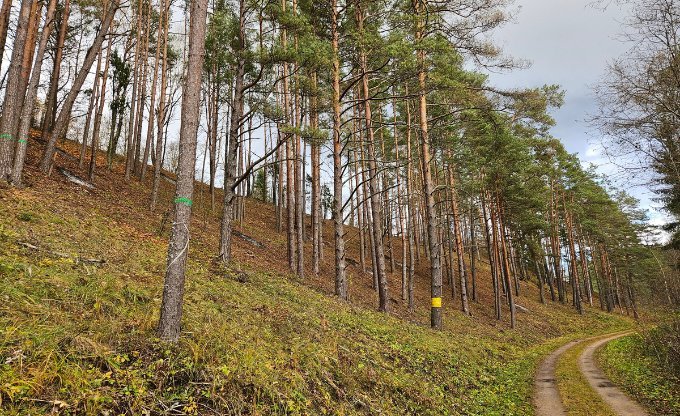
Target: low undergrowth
{"points": [[640, 365], [77, 336]]}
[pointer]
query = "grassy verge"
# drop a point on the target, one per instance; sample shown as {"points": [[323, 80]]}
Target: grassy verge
{"points": [[632, 364], [578, 397], [78, 338]]}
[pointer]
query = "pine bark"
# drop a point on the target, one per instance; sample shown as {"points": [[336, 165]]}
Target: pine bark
{"points": [[374, 196], [65, 113], [4, 25], [51, 102], [233, 146], [31, 95], [98, 116], [173, 290], [129, 140], [11, 108], [341, 287], [158, 165]]}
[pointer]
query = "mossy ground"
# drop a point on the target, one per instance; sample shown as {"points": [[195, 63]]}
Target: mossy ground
{"points": [[78, 337], [630, 363]]}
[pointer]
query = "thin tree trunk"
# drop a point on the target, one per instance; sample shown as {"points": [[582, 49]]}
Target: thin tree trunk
{"points": [[98, 116], [173, 289], [506, 267], [341, 286], [65, 113], [11, 108], [161, 108], [459, 244], [4, 26], [31, 94], [88, 116], [473, 253], [130, 147], [428, 185], [152, 107], [51, 102], [316, 180], [492, 251], [142, 97], [373, 178], [233, 146]]}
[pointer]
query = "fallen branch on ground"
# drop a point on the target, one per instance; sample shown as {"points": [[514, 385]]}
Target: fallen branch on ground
{"points": [[77, 259]]}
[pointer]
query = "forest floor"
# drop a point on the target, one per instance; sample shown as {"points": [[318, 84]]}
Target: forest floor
{"points": [[81, 273]]}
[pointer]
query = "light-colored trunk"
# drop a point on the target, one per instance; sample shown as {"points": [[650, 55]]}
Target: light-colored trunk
{"points": [[152, 105], [98, 116], [341, 289], [161, 108], [129, 140]]}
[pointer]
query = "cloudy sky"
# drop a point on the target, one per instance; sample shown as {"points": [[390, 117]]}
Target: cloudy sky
{"points": [[569, 43]]}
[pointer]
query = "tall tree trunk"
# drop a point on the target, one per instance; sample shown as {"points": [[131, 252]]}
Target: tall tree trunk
{"points": [[373, 176], [555, 243], [31, 95], [173, 289], [575, 286], [473, 252], [299, 161], [142, 96], [90, 111], [290, 174], [232, 148], [152, 105], [428, 185], [98, 116], [341, 289], [129, 140], [4, 26], [492, 251], [161, 107], [11, 108], [27, 57], [506, 266], [460, 251], [65, 113], [316, 178], [51, 101]]}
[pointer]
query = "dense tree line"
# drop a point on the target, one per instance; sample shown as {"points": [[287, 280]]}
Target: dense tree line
{"points": [[422, 147]]}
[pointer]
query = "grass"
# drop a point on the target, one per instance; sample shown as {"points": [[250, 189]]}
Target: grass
{"points": [[630, 363], [79, 338], [578, 397]]}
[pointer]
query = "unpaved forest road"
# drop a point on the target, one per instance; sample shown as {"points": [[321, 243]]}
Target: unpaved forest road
{"points": [[546, 398], [619, 402]]}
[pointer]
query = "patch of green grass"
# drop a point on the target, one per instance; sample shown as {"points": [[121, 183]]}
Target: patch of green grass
{"points": [[629, 363], [578, 397], [80, 339]]}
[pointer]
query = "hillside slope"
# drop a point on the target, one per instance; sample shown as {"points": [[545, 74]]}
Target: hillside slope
{"points": [[78, 336]]}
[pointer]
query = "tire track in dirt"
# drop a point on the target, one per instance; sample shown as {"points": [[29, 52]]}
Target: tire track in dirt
{"points": [[612, 395]]}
